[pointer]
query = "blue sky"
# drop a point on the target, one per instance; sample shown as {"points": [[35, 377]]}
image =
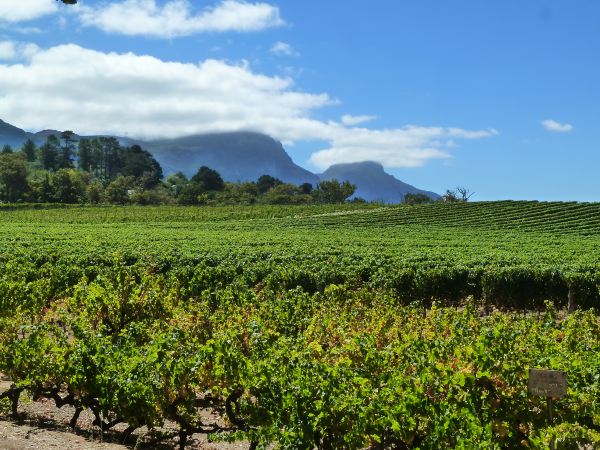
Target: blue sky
{"points": [[500, 96]]}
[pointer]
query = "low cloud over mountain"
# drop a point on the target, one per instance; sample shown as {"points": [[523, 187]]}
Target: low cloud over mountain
{"points": [[245, 156]]}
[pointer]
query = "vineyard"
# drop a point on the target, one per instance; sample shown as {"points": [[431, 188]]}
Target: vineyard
{"points": [[330, 327]]}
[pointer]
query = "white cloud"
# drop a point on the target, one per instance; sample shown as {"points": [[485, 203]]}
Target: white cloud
{"points": [[23, 10], [10, 50], [7, 50], [356, 120], [176, 17], [283, 49], [91, 92], [410, 146], [557, 127]]}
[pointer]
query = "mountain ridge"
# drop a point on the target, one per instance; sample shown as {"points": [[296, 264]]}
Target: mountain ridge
{"points": [[241, 156], [373, 182]]}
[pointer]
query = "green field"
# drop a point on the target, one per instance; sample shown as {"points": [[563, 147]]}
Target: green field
{"points": [[338, 326], [513, 253]]}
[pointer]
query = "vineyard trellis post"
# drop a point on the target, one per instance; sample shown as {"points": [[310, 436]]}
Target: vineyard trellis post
{"points": [[550, 384]]}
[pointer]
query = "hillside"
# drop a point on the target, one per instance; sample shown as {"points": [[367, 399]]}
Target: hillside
{"points": [[560, 218], [11, 135], [373, 183], [239, 156]]}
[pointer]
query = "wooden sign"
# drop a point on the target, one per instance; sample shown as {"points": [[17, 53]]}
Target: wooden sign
{"points": [[547, 383]]}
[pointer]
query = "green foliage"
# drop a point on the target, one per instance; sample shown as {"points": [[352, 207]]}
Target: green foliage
{"points": [[105, 160], [329, 327], [191, 194], [117, 192], [93, 192], [343, 368], [208, 179], [29, 150], [67, 150], [176, 182], [417, 199], [285, 194], [64, 189], [13, 177], [139, 163], [333, 191], [49, 153], [238, 194], [85, 155], [266, 182]]}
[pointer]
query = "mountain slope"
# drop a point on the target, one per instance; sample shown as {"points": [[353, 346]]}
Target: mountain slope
{"points": [[372, 182], [11, 135], [245, 156], [237, 156]]}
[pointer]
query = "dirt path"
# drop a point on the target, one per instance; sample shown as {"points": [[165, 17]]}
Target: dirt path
{"points": [[15, 436], [42, 426]]}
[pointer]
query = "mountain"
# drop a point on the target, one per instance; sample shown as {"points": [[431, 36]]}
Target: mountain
{"points": [[11, 135], [237, 156], [245, 156], [372, 182]]}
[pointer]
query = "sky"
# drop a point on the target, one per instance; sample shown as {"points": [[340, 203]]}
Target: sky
{"points": [[502, 97]]}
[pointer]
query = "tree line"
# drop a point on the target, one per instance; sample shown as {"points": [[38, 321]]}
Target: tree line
{"points": [[100, 170]]}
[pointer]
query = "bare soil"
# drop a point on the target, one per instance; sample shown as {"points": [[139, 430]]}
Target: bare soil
{"points": [[42, 426]]}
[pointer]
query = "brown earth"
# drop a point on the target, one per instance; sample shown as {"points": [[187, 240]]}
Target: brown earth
{"points": [[42, 426]]}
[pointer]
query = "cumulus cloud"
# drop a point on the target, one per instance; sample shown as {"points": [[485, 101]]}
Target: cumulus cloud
{"points": [[410, 146], [126, 94], [177, 18], [23, 10], [356, 120], [10, 50], [7, 50], [556, 127], [283, 49]]}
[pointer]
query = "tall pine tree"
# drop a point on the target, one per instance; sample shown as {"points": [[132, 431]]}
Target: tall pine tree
{"points": [[65, 159], [28, 150], [85, 155], [49, 153]]}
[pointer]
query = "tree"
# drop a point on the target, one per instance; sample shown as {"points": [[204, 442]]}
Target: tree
{"points": [[191, 194], [45, 192], [65, 158], [117, 192], [286, 194], [84, 155], [238, 194], [107, 155], [137, 162], [416, 199], [464, 193], [49, 153], [93, 192], [266, 182], [306, 188], [13, 177], [64, 187], [28, 150], [460, 194], [7, 149], [176, 182], [209, 179], [332, 191]]}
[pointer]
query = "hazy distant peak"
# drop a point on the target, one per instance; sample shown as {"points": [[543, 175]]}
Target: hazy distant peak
{"points": [[373, 182]]}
